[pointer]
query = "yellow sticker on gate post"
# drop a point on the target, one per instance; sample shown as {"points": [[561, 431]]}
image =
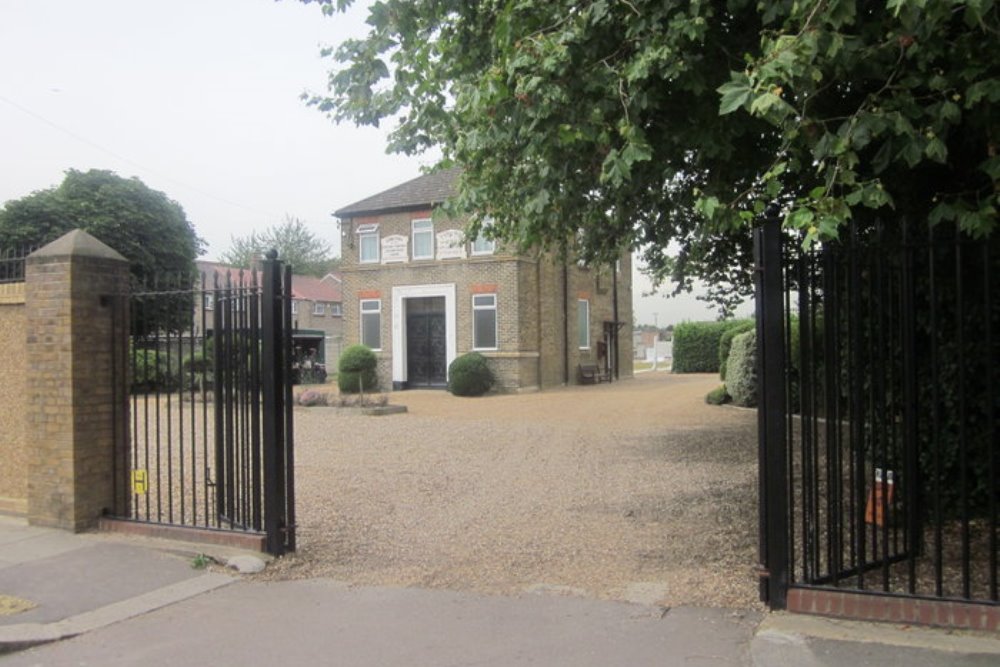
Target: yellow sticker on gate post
{"points": [[140, 482]]}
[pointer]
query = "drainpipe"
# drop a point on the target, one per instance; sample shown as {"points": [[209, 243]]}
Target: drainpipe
{"points": [[565, 313], [539, 367], [614, 311]]}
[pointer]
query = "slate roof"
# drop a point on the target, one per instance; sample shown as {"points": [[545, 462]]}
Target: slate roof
{"points": [[421, 192]]}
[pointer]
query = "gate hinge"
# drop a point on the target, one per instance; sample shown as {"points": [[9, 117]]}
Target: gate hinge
{"points": [[763, 572]]}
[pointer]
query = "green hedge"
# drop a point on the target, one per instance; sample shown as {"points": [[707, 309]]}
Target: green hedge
{"points": [[696, 345], [742, 381], [726, 342], [356, 370]]}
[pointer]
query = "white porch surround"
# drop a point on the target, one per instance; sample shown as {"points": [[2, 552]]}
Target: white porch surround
{"points": [[399, 294]]}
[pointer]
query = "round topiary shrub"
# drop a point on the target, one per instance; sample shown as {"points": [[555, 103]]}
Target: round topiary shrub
{"points": [[356, 370], [470, 375]]}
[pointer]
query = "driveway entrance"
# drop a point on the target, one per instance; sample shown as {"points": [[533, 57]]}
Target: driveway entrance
{"points": [[635, 490]]}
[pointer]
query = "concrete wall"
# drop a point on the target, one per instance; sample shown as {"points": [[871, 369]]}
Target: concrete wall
{"points": [[13, 408]]}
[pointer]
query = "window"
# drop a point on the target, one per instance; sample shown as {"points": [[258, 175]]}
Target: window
{"points": [[367, 244], [319, 308], [423, 239], [295, 307], [371, 323], [583, 323], [482, 245], [209, 301], [484, 321], [335, 310]]}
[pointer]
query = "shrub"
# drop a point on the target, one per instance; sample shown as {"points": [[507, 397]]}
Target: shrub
{"points": [[696, 346], [470, 375], [726, 342], [150, 371], [742, 374], [198, 369], [717, 396], [356, 370]]}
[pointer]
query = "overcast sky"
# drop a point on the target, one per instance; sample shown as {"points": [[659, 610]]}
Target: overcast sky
{"points": [[200, 100]]}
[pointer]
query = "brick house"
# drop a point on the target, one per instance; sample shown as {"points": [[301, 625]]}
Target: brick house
{"points": [[420, 294], [317, 320]]}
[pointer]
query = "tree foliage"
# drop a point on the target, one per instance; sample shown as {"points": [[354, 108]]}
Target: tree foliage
{"points": [[143, 225], [669, 126], [295, 244]]}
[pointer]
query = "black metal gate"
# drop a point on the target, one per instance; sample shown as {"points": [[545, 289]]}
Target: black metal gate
{"points": [[211, 442], [879, 450]]}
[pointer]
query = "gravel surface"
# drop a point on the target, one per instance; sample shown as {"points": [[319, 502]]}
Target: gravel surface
{"points": [[635, 490]]}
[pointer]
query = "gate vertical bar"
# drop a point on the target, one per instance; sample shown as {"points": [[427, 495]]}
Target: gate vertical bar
{"points": [[773, 490], [218, 411], [289, 461], [272, 379]]}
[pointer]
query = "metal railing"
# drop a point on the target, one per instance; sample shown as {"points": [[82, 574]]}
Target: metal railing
{"points": [[880, 470], [210, 402], [12, 264]]}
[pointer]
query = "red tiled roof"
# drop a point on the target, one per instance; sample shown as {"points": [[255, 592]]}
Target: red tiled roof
{"points": [[325, 289], [315, 289]]}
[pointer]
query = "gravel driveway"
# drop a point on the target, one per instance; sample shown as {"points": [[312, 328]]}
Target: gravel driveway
{"points": [[635, 490]]}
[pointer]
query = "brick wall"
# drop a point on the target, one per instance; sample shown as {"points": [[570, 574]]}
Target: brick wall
{"points": [[76, 351], [13, 387]]}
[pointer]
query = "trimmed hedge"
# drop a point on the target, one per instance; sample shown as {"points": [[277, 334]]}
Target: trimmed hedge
{"points": [[742, 382], [356, 370], [470, 375], [726, 342], [696, 345]]}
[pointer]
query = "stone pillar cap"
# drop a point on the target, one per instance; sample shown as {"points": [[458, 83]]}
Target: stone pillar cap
{"points": [[78, 243]]}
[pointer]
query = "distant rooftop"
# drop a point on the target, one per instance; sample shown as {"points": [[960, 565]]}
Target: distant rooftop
{"points": [[422, 191], [327, 288]]}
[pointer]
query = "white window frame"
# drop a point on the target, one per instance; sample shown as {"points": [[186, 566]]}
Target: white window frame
{"points": [[336, 310], [496, 321], [426, 228], [583, 323], [319, 308], [368, 232], [209, 301], [377, 311], [488, 246], [295, 306]]}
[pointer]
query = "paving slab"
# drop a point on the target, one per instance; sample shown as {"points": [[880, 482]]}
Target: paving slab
{"points": [[86, 578], [796, 640], [325, 622]]}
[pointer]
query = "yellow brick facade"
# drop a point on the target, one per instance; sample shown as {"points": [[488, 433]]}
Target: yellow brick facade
{"points": [[537, 303]]}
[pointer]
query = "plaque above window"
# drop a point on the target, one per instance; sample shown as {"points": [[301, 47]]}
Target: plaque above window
{"points": [[451, 244]]}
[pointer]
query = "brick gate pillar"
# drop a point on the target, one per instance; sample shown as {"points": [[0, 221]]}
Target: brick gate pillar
{"points": [[77, 340]]}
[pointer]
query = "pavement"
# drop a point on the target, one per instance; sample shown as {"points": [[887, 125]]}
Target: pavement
{"points": [[99, 599]]}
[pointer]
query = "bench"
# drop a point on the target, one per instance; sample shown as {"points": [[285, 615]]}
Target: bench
{"points": [[591, 374]]}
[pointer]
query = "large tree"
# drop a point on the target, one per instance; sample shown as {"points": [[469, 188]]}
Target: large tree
{"points": [[295, 244], [670, 125], [143, 225]]}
